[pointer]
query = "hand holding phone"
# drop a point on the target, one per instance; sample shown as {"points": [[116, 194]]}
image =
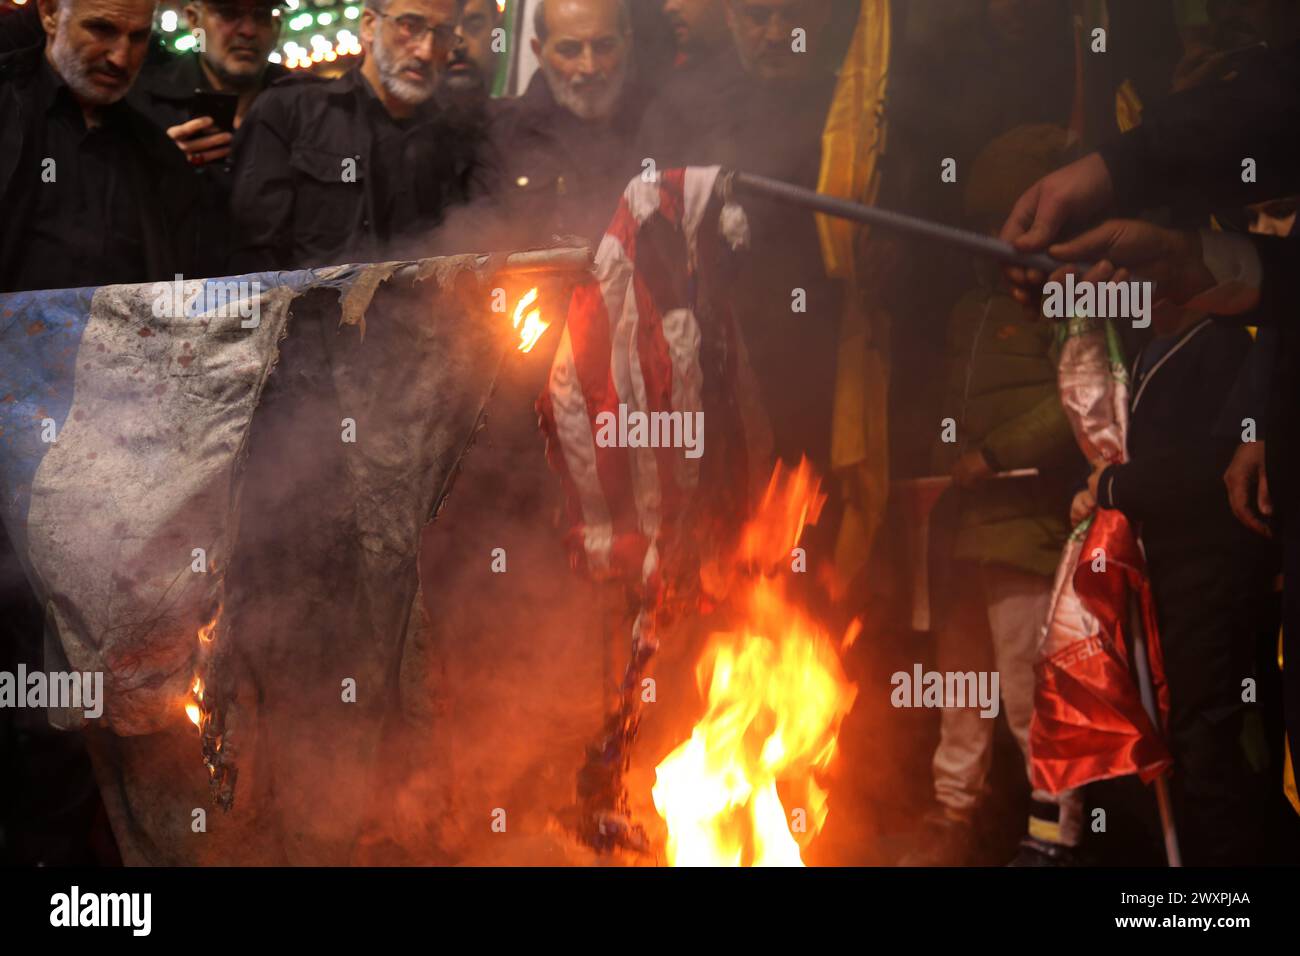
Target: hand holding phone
{"points": [[207, 135], [201, 141]]}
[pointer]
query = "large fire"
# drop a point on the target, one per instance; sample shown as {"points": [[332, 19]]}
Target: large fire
{"points": [[528, 321], [743, 789]]}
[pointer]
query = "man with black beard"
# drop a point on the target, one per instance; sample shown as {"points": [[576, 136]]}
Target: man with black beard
{"points": [[238, 36], [564, 146], [359, 168], [473, 63]]}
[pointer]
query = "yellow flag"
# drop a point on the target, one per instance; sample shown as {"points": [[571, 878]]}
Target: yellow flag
{"points": [[853, 138], [853, 142]]}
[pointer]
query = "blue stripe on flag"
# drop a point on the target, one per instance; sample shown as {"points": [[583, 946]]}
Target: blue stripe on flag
{"points": [[40, 334]]}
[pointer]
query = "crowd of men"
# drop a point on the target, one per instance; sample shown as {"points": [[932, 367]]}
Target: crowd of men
{"points": [[310, 171], [409, 154]]}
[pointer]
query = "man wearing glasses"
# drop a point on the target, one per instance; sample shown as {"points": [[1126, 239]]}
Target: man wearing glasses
{"points": [[359, 168], [237, 36]]}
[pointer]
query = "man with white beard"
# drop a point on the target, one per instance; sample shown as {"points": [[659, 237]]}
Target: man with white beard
{"points": [[356, 169], [92, 193], [565, 145]]}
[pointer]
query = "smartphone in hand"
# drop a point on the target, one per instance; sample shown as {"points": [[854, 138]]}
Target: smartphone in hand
{"points": [[220, 106]]}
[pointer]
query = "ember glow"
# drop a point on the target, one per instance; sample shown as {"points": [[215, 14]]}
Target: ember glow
{"points": [[528, 321], [743, 790]]}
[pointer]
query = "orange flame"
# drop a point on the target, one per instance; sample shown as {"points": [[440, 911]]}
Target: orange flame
{"points": [[193, 710], [529, 322], [775, 695]]}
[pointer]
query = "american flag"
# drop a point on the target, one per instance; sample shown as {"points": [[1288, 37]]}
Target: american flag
{"points": [[653, 331]]}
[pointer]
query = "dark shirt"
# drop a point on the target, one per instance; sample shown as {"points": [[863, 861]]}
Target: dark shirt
{"points": [[85, 226], [324, 176], [1172, 484], [402, 154], [164, 93], [560, 174], [118, 209]]}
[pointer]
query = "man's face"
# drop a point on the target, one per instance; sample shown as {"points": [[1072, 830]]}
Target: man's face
{"points": [[409, 41], [762, 31], [238, 35], [584, 58], [471, 64], [699, 26], [97, 46]]}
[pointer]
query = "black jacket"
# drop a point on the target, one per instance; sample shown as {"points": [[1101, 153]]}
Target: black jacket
{"points": [[1172, 485], [163, 92], [1190, 149], [160, 179], [558, 174], [305, 191]]}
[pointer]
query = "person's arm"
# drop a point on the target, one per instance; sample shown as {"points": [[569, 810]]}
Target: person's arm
{"points": [[262, 197], [1177, 481], [1186, 477], [1194, 143]]}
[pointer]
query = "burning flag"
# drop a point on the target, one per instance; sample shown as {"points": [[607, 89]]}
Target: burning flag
{"points": [[775, 695], [1089, 722], [172, 499], [652, 335]]}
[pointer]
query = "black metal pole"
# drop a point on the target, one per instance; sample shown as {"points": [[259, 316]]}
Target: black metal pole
{"points": [[972, 242]]}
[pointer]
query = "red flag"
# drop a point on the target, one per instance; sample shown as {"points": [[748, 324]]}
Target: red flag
{"points": [[1089, 723], [1088, 720]]}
